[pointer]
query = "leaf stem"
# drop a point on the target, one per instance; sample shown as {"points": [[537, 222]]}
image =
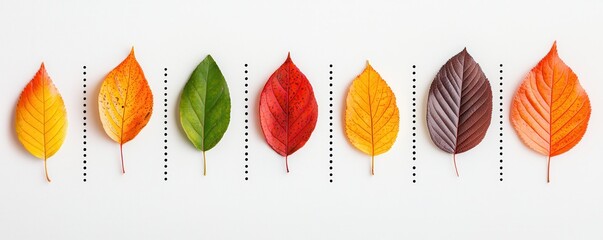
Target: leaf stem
{"points": [[121, 152], [455, 168], [548, 169], [287, 163], [46, 171], [372, 165], [204, 165]]}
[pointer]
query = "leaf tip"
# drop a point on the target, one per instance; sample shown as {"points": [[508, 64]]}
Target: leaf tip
{"points": [[131, 52], [553, 48], [288, 56]]}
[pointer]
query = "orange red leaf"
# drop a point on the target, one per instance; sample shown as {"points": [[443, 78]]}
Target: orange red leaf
{"points": [[550, 110]]}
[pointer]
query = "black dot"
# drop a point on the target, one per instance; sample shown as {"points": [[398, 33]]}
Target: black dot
{"points": [[501, 65], [330, 65], [414, 181], [84, 180], [246, 65], [246, 178], [165, 179], [414, 66], [84, 67]]}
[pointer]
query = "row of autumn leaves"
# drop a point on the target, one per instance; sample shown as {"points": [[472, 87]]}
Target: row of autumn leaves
{"points": [[550, 110]]}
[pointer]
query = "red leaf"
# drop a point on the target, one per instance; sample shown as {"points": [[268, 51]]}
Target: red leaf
{"points": [[288, 110]]}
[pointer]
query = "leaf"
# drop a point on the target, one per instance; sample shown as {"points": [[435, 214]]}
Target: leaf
{"points": [[550, 110], [205, 106], [125, 102], [371, 114], [288, 110], [41, 118], [459, 106]]}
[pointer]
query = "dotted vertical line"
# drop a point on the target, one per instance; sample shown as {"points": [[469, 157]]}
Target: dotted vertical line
{"points": [[500, 110], [330, 123], [414, 124], [84, 106], [165, 126], [246, 123]]}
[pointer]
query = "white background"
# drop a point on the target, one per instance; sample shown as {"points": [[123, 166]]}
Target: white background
{"points": [[393, 35]]}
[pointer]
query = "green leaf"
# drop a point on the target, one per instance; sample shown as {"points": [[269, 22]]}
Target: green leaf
{"points": [[205, 106]]}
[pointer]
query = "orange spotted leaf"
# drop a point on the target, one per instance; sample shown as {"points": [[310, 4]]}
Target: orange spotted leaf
{"points": [[550, 110], [125, 102]]}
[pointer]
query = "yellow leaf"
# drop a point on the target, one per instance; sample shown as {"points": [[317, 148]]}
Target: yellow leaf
{"points": [[41, 119], [125, 102], [371, 114]]}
